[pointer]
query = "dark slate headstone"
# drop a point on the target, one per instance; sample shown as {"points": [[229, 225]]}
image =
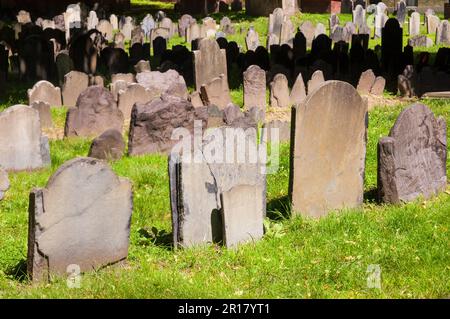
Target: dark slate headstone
{"points": [[412, 159], [108, 146]]}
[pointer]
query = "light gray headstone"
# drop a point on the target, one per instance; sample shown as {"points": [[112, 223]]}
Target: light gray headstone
{"points": [[75, 82], [46, 92]]}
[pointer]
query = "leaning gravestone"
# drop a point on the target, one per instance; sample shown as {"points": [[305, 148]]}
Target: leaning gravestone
{"points": [[279, 91], [74, 83], [412, 160], [4, 182], [81, 218], [46, 92], [254, 88], [209, 62], [218, 199], [95, 112], [152, 123], [134, 93], [23, 147], [108, 146], [169, 82], [329, 150]]}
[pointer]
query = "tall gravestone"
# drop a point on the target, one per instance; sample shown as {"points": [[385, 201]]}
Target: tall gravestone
{"points": [[22, 144], [328, 151], [209, 62], [80, 219], [412, 159]]}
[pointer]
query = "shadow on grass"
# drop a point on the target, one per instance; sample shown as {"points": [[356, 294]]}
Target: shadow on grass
{"points": [[19, 271], [371, 196], [279, 208], [159, 238]]}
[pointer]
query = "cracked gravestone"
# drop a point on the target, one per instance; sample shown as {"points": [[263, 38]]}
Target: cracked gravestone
{"points": [[412, 159], [82, 217]]}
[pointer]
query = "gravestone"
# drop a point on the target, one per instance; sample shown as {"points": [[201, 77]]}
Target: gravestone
{"points": [[414, 24], [359, 16], [378, 86], [82, 217], [290, 7], [46, 92], [254, 87], [64, 65], [45, 116], [366, 81], [4, 182], [23, 17], [328, 150], [420, 41], [308, 30], [316, 80], [432, 24], [106, 29], [412, 159], [401, 12], [283, 129], [74, 83], [169, 82], [298, 93], [185, 21], [92, 20], [114, 21], [142, 66], [216, 92], [152, 123], [333, 20], [108, 146], [134, 93], [279, 91], [209, 62], [218, 201], [320, 29], [443, 33], [287, 33], [95, 111], [20, 135], [127, 28], [252, 39]]}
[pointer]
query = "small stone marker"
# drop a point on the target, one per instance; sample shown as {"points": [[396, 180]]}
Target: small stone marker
{"points": [[412, 159], [366, 81], [216, 92], [108, 146], [82, 218]]}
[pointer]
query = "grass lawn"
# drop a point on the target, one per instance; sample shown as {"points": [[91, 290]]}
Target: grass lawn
{"points": [[297, 258]]}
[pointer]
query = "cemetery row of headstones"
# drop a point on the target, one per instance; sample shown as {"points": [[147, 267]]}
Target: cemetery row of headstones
{"points": [[82, 216]]}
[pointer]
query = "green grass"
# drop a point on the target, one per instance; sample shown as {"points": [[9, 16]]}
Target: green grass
{"points": [[297, 258]]}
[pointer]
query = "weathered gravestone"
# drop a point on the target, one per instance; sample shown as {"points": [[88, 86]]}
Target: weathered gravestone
{"points": [[92, 20], [64, 65], [378, 86], [95, 112], [443, 33], [412, 159], [218, 199], [279, 91], [45, 116], [74, 83], [316, 80], [254, 87], [169, 82], [308, 30], [401, 12], [209, 62], [108, 146], [252, 39], [4, 182], [432, 23], [46, 92], [152, 123], [216, 92], [22, 144], [81, 218], [359, 16], [366, 82], [134, 93], [298, 93], [328, 150], [414, 24], [114, 21], [106, 29]]}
